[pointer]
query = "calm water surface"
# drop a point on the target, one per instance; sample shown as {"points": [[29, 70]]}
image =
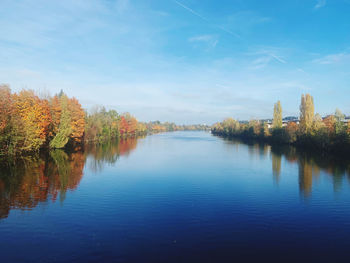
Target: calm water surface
{"points": [[175, 197]]}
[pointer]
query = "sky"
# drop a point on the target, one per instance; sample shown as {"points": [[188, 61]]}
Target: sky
{"points": [[184, 61]]}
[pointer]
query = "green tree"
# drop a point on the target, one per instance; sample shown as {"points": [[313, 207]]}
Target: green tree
{"points": [[64, 129]]}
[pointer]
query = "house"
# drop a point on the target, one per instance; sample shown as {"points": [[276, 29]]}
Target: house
{"points": [[285, 121]]}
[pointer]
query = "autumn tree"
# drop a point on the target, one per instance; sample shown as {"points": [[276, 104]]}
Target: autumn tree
{"points": [[306, 113], [230, 126], [68, 121], [6, 110], [317, 123], [28, 122], [102, 125], [77, 120], [329, 122], [266, 130], [123, 126], [5, 106], [55, 110], [291, 131], [132, 122], [33, 120], [339, 124], [141, 128], [254, 128], [277, 116], [64, 129]]}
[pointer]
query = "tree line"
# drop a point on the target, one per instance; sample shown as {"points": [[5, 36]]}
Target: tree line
{"points": [[157, 126], [29, 123], [331, 133]]}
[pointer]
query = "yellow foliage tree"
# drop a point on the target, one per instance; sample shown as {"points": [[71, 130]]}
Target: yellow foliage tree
{"points": [[307, 112], [33, 120]]}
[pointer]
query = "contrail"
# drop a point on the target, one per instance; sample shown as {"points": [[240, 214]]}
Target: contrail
{"points": [[229, 32], [206, 20], [278, 58], [191, 10]]}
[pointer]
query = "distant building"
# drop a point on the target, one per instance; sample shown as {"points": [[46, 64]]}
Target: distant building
{"points": [[296, 120], [291, 119], [285, 121], [346, 120]]}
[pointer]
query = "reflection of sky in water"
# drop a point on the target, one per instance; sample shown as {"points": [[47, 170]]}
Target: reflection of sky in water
{"points": [[183, 195]]}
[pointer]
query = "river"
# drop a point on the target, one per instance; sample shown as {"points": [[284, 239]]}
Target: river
{"points": [[175, 197]]}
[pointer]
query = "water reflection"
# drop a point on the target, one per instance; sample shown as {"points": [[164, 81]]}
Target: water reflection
{"points": [[26, 182], [109, 153], [310, 164], [276, 166]]}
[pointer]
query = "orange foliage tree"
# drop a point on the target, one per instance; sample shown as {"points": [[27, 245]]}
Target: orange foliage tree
{"points": [[77, 120], [330, 121], [33, 122], [123, 126], [28, 123]]}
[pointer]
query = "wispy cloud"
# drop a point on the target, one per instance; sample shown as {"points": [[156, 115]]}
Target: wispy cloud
{"points": [[320, 3], [246, 21], [260, 62], [148, 58], [333, 59], [266, 55], [301, 70], [279, 59], [206, 20], [211, 40]]}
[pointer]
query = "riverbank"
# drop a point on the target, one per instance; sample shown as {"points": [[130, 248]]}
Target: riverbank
{"points": [[332, 146]]}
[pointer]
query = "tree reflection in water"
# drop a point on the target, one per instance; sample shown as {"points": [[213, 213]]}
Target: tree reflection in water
{"points": [[108, 152], [310, 164], [26, 182], [276, 166]]}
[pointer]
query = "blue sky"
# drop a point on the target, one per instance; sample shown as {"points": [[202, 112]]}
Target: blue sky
{"points": [[186, 61]]}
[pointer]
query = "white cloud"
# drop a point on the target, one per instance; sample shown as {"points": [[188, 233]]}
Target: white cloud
{"points": [[260, 62]]}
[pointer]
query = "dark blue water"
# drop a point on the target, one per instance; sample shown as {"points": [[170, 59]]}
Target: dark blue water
{"points": [[175, 197]]}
